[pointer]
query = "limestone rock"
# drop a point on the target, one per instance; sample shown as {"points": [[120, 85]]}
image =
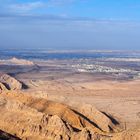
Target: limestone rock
{"points": [[2, 88], [3, 101], [10, 82], [100, 119], [58, 129], [31, 118], [61, 110]]}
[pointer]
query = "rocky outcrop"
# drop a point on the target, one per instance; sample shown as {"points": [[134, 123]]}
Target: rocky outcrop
{"points": [[2, 88], [9, 82], [96, 116], [53, 108], [84, 116], [32, 118], [57, 129]]}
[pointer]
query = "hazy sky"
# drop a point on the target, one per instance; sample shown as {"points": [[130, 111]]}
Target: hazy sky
{"points": [[70, 24]]}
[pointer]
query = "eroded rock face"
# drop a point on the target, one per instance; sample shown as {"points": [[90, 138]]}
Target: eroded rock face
{"points": [[58, 129], [96, 116], [32, 118], [28, 123], [2, 88], [9, 82]]}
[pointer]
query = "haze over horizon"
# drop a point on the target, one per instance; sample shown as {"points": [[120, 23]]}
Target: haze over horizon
{"points": [[70, 24]]}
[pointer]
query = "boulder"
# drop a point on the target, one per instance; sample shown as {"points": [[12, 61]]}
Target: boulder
{"points": [[10, 82]]}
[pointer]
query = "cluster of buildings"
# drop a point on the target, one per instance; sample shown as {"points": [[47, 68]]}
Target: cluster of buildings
{"points": [[99, 68]]}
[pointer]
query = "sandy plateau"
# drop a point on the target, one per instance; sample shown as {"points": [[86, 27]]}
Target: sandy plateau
{"points": [[44, 101]]}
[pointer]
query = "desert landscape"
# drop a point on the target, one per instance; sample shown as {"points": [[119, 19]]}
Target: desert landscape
{"points": [[69, 99], [69, 69]]}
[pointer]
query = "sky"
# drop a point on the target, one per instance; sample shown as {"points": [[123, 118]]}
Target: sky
{"points": [[70, 24]]}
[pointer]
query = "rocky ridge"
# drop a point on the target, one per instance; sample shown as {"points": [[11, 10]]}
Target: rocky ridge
{"points": [[29, 117], [7, 82]]}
